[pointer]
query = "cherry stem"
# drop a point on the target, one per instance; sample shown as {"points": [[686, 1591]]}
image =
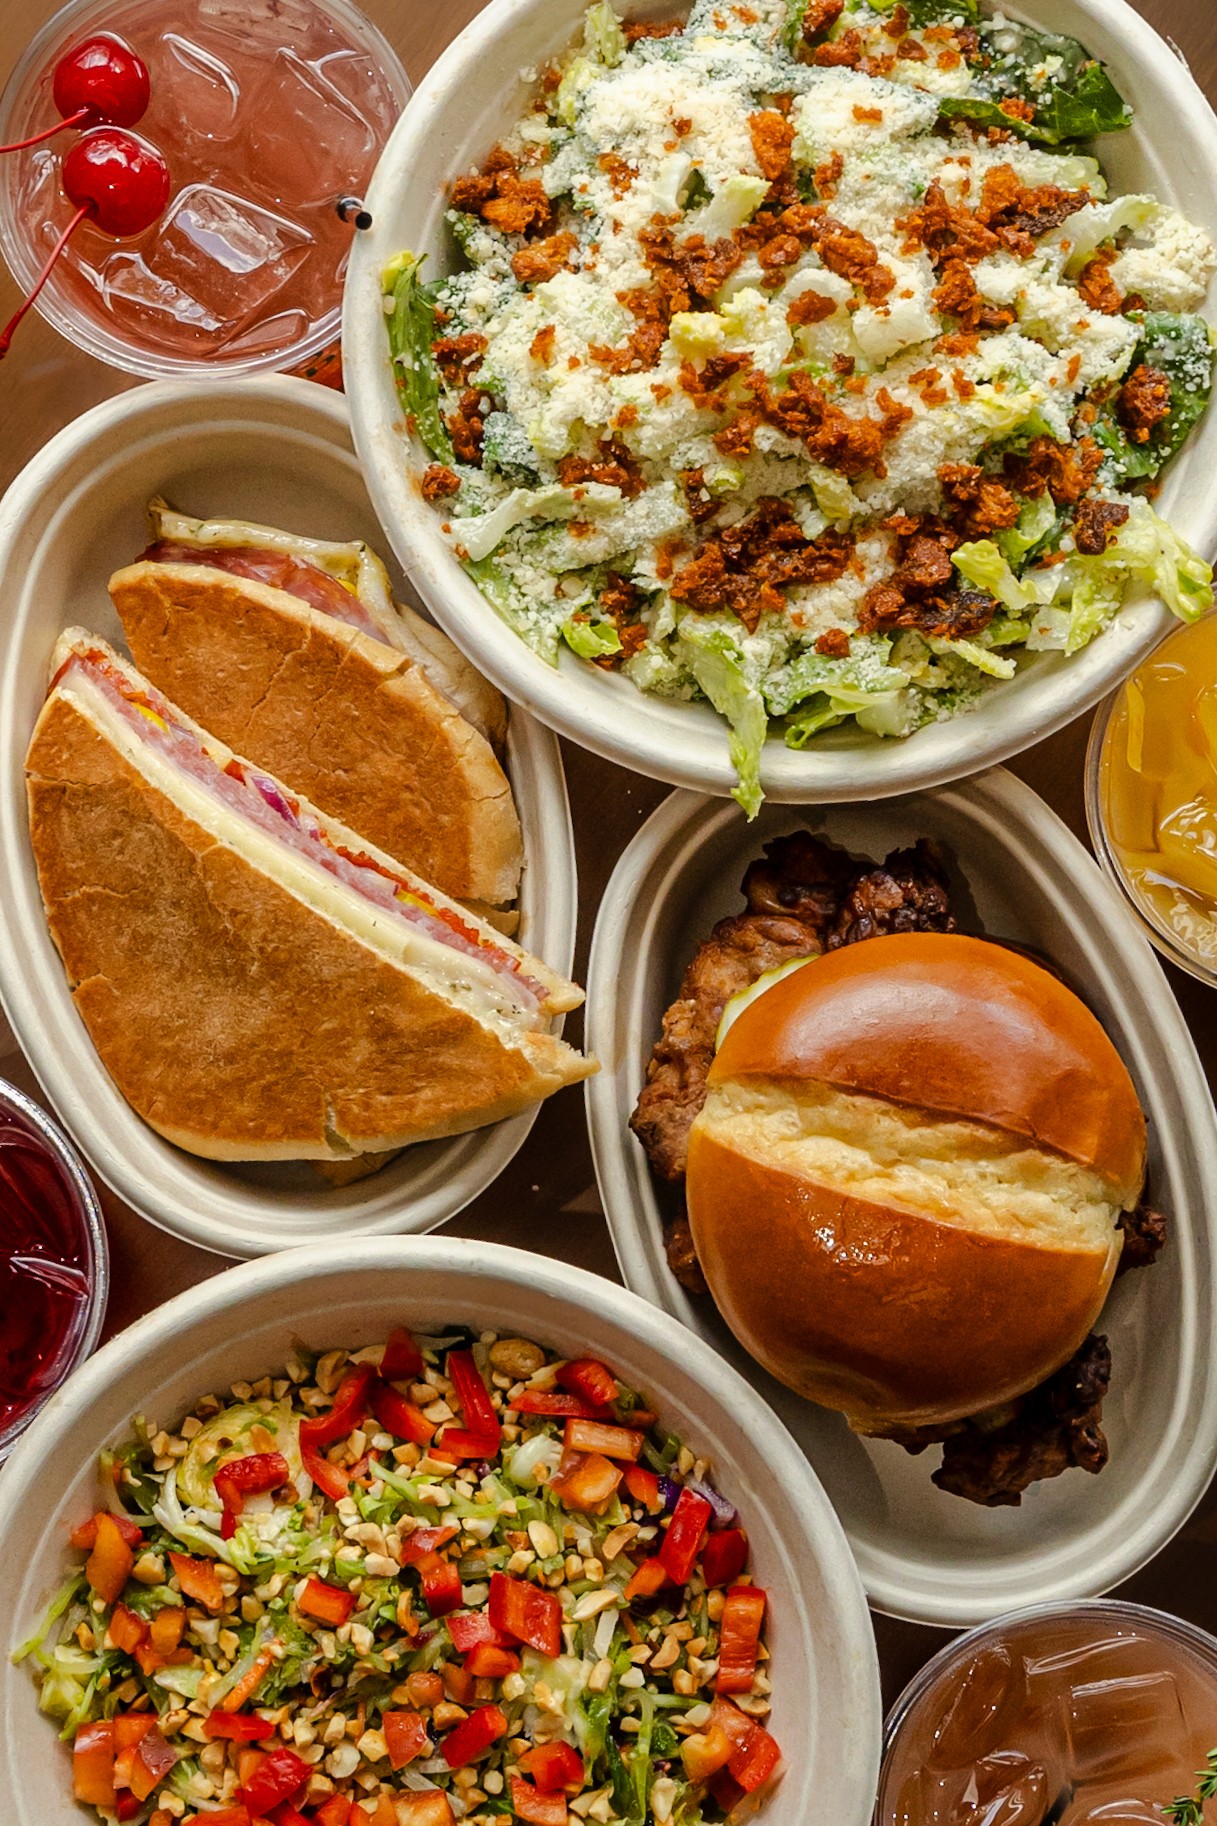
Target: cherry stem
{"points": [[36, 139], [6, 335]]}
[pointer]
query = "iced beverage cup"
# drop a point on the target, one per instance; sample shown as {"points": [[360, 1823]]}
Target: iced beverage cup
{"points": [[1058, 1716], [269, 113]]}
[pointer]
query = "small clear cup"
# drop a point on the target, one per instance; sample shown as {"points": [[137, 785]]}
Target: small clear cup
{"points": [[81, 1337], [1109, 1615], [26, 107]]}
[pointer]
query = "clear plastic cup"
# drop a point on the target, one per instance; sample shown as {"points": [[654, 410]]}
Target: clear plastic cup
{"points": [[54, 1262], [269, 113], [1097, 1711]]}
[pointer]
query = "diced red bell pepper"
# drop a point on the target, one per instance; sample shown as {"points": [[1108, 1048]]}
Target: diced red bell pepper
{"points": [[557, 1407], [649, 1578], [109, 1565], [554, 1765], [167, 1628], [249, 1683], [526, 1613], [686, 1530], [131, 1728], [754, 1753], [474, 1735], [529, 1803], [334, 1812], [724, 1556], [643, 1486], [441, 1583], [249, 1476], [239, 1727], [705, 1753], [590, 1379], [455, 1443], [612, 1442], [126, 1805], [349, 1408], [230, 1816], [380, 1812], [430, 1809], [85, 1537], [127, 1630], [424, 1541], [399, 1416], [485, 1661], [198, 1580], [469, 1627], [406, 1736], [328, 1603], [153, 1760], [585, 1481], [739, 1639], [276, 1779], [477, 1409], [402, 1357], [330, 1479], [287, 1815], [459, 1683], [93, 1764]]}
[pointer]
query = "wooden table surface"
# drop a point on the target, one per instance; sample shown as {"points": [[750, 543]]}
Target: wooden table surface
{"points": [[547, 1200]]}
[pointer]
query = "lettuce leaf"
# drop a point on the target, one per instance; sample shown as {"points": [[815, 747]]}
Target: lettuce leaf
{"points": [[1181, 347], [411, 326], [1070, 91], [1146, 548], [722, 671], [590, 639]]}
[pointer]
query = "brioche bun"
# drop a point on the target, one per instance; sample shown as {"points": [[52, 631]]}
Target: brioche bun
{"points": [[905, 1184]]}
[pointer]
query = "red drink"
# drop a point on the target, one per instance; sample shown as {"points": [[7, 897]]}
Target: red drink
{"points": [[268, 113], [52, 1263], [1093, 1713]]}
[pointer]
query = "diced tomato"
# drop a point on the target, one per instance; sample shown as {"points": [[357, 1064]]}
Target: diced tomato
{"points": [[643, 1486], [649, 1578], [424, 1541], [249, 1683], [441, 1583], [554, 1765], [686, 1530], [430, 1809], [239, 1727], [754, 1753], [526, 1613], [594, 1436], [406, 1736], [93, 1764], [153, 1760], [330, 1479], [590, 1379], [587, 1482], [478, 1411], [487, 1662], [108, 1566], [469, 1627], [724, 1556], [85, 1537], [349, 1408], [558, 1407], [402, 1357], [334, 1812], [705, 1753], [474, 1735], [127, 1630], [739, 1639], [528, 1803], [328, 1603], [399, 1416], [249, 1476], [459, 1684], [277, 1778], [198, 1580]]}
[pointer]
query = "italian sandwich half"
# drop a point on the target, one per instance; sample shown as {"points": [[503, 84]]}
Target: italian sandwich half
{"points": [[293, 651], [260, 982]]}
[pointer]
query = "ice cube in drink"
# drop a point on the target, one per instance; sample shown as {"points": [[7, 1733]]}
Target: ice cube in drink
{"points": [[1123, 1728], [297, 106], [209, 94], [1006, 1789], [987, 1691]]}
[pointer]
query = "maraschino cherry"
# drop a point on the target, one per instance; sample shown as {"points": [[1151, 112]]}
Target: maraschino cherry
{"points": [[99, 82], [116, 179]]}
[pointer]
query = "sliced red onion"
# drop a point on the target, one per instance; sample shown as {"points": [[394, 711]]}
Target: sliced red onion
{"points": [[669, 1490], [274, 798], [724, 1512]]}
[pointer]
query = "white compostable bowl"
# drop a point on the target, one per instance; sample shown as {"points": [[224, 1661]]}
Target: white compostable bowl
{"points": [[474, 94], [1019, 874], [277, 451], [826, 1706]]}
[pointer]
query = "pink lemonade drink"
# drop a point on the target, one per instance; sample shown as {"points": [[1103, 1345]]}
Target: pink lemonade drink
{"points": [[1087, 1715], [269, 113]]}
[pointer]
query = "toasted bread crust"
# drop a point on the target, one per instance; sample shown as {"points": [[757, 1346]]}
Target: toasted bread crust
{"points": [[352, 723], [238, 1022]]}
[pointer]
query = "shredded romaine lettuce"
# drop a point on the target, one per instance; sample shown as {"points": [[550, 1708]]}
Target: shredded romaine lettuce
{"points": [[721, 669], [411, 333]]}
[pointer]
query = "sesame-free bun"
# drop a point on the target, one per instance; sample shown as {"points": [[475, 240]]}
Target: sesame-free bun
{"points": [[905, 1183]]}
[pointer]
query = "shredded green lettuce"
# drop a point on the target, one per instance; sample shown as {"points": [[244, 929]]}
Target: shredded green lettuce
{"points": [[721, 670], [411, 333]]}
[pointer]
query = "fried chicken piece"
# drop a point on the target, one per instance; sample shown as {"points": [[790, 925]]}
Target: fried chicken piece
{"points": [[682, 1255], [909, 893], [800, 877], [1144, 1237]]}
